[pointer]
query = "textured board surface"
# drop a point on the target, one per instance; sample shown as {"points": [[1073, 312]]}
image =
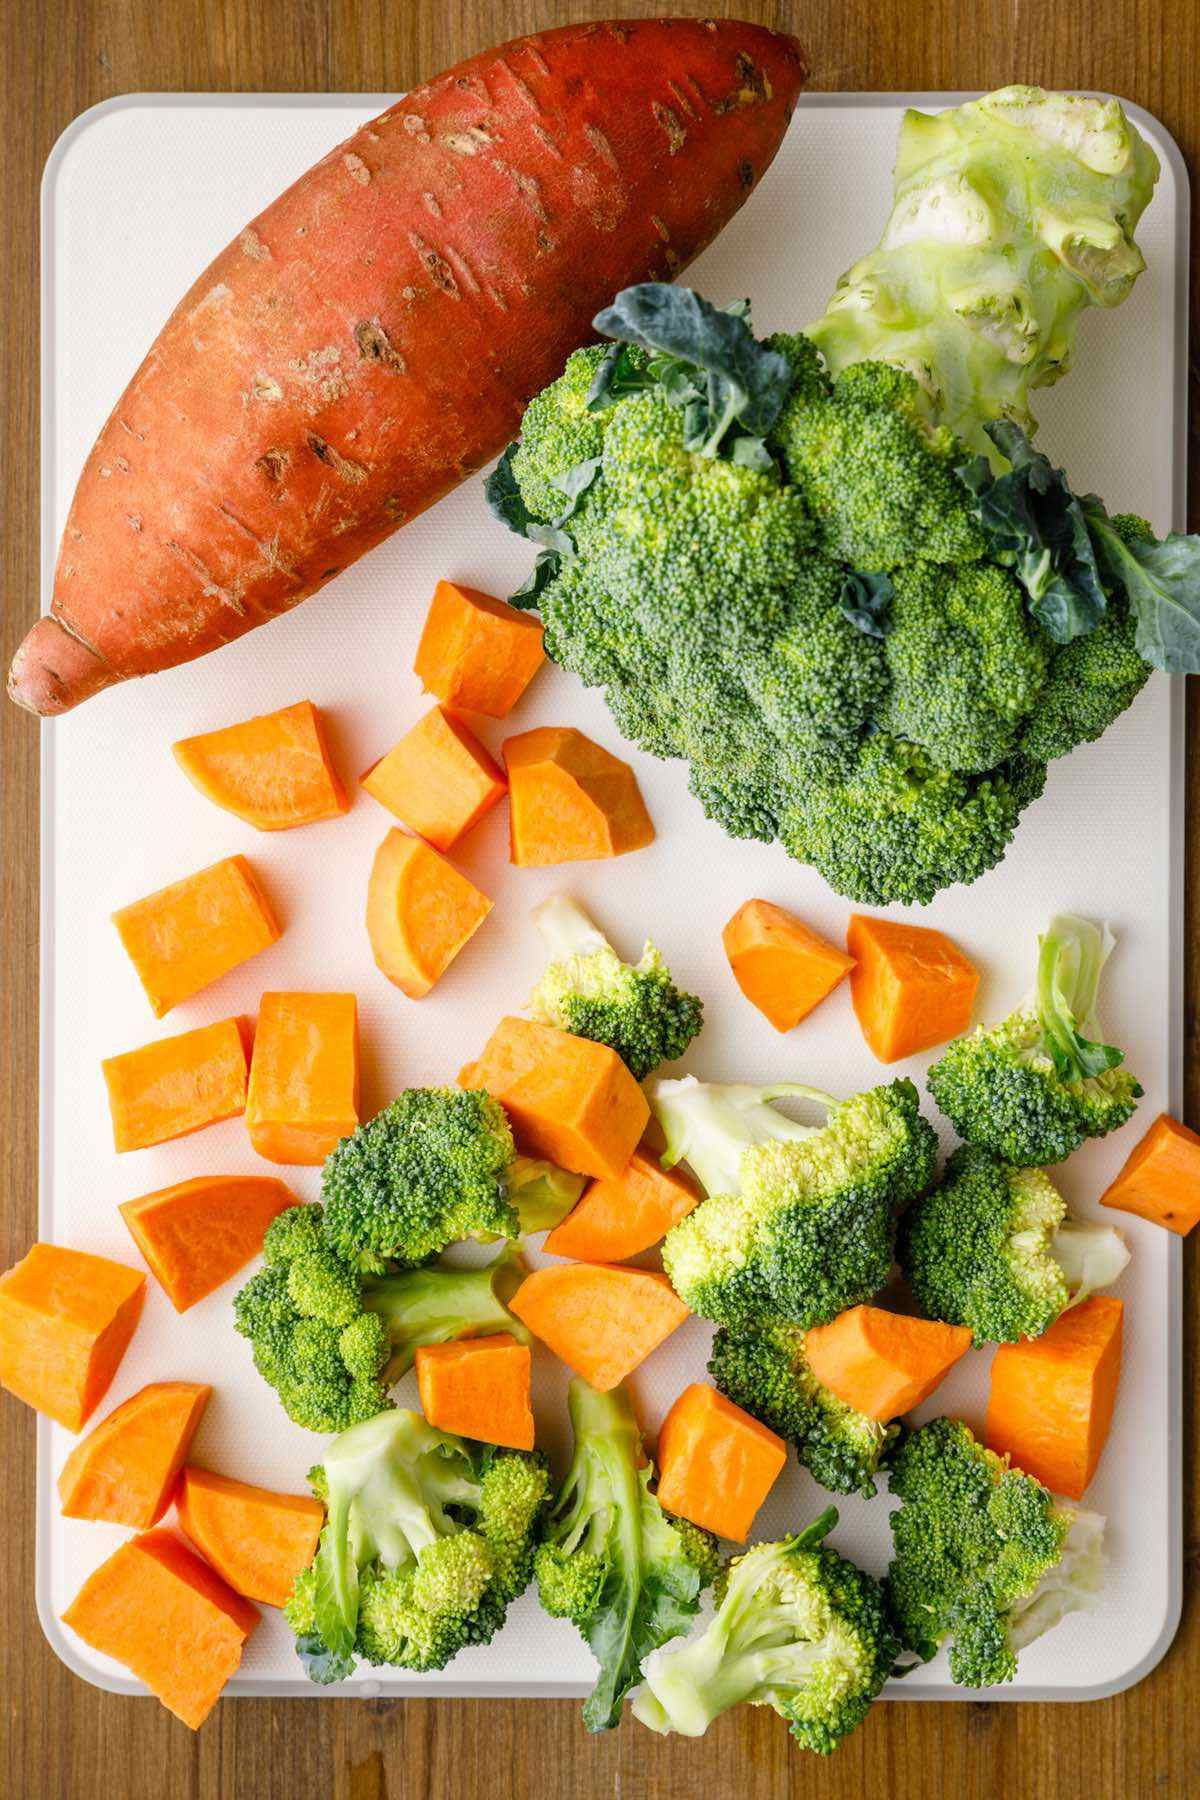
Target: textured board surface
{"points": [[139, 195]]}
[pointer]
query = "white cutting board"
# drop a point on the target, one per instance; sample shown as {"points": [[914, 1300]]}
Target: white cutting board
{"points": [[139, 194]]}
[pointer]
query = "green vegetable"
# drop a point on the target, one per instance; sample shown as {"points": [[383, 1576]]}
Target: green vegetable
{"points": [[765, 1372], [426, 1541], [541, 1193], [800, 1220], [1035, 1087], [612, 1562], [798, 1628], [636, 1009], [983, 1556], [995, 1248]]}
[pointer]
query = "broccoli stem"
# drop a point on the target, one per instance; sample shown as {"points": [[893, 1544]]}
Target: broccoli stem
{"points": [[566, 929], [711, 1125], [1072, 955], [1090, 1256]]}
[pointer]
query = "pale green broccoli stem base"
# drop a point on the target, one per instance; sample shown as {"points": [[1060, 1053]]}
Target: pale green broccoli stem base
{"points": [[1090, 1256], [711, 1125], [1072, 954], [566, 930], [1074, 1583]]}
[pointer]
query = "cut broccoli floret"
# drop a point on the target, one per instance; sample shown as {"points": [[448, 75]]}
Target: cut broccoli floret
{"points": [[996, 1249], [613, 1563], [1033, 1088], [798, 1628], [634, 1008], [983, 1556], [767, 1374], [800, 1220]]}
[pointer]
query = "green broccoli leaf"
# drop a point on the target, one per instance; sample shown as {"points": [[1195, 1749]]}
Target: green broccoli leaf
{"points": [[506, 501], [866, 601], [319, 1662], [1162, 583]]}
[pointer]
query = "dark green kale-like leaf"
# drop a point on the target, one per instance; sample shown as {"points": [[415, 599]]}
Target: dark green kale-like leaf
{"points": [[866, 601], [1161, 581]]}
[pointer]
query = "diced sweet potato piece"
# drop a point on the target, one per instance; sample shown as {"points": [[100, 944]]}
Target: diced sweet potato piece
{"points": [[567, 1098], [420, 913], [177, 1085], [602, 1321], [477, 653], [570, 800], [438, 780], [716, 1465], [66, 1319], [191, 933], [126, 1468], [156, 1608], [303, 1096], [273, 771], [781, 966], [911, 986], [1160, 1180], [619, 1216], [258, 1541], [198, 1233], [479, 1388], [883, 1363], [1051, 1400]]}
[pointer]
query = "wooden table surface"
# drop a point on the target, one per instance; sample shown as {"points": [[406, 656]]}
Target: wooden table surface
{"points": [[61, 1738]]}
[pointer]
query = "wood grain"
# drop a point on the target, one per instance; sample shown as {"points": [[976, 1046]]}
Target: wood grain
{"points": [[61, 1739]]}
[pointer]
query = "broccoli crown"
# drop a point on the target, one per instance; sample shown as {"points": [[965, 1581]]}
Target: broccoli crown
{"points": [[798, 1628], [426, 1171], [767, 1374], [982, 1555], [1035, 1087], [820, 674], [612, 1562], [799, 1222]]}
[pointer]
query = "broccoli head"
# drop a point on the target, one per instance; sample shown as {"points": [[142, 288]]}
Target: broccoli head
{"points": [[995, 1248], [798, 1628], [1035, 1087], [612, 1562], [800, 1220], [983, 1557]]}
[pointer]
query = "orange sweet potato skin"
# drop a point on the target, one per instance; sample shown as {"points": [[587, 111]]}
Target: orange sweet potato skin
{"points": [[373, 336]]}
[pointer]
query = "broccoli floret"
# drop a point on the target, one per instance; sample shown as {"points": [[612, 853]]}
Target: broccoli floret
{"points": [[613, 1563], [966, 663], [300, 1356], [798, 1628], [820, 674], [1033, 1088], [426, 1171], [558, 431], [767, 1374], [634, 1008], [982, 1555], [800, 1220], [896, 828], [995, 1248], [425, 1542]]}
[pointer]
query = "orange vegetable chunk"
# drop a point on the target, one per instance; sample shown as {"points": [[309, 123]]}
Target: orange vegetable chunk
{"points": [[258, 1541], [303, 1095], [566, 1098], [198, 1233], [1160, 1179], [479, 1388], [66, 1318], [420, 913], [156, 1608], [716, 1465], [602, 1321], [619, 1216], [191, 933], [911, 987], [781, 966], [438, 780], [1051, 1400], [126, 1468], [477, 653], [570, 800], [882, 1363], [177, 1085], [274, 771]]}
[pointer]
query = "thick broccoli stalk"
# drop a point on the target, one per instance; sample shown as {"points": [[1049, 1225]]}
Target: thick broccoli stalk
{"points": [[634, 1008], [1035, 1087], [798, 1628], [426, 1540], [995, 1248], [983, 1556], [800, 1220], [541, 1194], [439, 1304], [626, 1575], [767, 1374], [1011, 215]]}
